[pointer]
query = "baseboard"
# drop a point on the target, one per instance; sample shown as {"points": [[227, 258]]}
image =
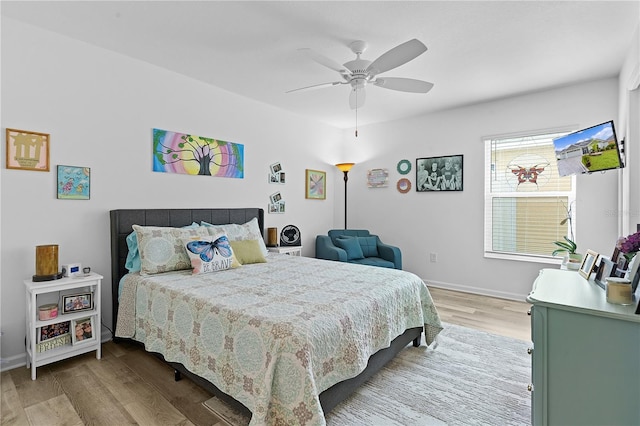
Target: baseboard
{"points": [[13, 362], [476, 290], [20, 360]]}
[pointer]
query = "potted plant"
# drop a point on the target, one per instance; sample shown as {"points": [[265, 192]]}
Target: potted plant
{"points": [[567, 246]]}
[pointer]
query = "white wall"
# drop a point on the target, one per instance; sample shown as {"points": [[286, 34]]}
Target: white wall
{"points": [[451, 223], [100, 108], [629, 129]]}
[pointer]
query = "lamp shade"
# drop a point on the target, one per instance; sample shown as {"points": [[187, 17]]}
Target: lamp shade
{"points": [[272, 237], [47, 263], [345, 167]]}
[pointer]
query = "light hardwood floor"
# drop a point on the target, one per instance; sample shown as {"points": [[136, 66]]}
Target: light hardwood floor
{"points": [[128, 386]]}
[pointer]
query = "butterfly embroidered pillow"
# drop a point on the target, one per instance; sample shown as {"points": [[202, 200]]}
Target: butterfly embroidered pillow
{"points": [[210, 254]]}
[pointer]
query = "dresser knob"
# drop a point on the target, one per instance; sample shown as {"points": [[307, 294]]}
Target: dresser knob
{"points": [[530, 387], [529, 351], [529, 312]]}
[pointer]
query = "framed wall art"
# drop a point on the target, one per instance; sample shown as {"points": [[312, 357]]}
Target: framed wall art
{"points": [[439, 173], [74, 183], [175, 152], [277, 175], [403, 186], [27, 150], [315, 184], [404, 167], [377, 178]]}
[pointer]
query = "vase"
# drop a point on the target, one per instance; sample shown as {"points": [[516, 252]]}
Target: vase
{"points": [[572, 261], [632, 269]]}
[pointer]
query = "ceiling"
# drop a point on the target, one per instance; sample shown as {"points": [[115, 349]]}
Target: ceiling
{"points": [[477, 50]]}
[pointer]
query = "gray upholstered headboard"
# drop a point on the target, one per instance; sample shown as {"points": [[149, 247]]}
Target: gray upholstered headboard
{"points": [[122, 221]]}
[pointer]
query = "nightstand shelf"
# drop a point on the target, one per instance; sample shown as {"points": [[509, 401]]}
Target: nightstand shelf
{"points": [[290, 250], [62, 346]]}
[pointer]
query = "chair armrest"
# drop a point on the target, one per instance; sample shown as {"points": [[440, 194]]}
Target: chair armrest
{"points": [[390, 253], [326, 250]]}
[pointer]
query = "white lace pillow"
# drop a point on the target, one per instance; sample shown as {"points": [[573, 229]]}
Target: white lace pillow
{"points": [[235, 232], [162, 250]]}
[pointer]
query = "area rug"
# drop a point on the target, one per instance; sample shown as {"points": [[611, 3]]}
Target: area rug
{"points": [[470, 378]]}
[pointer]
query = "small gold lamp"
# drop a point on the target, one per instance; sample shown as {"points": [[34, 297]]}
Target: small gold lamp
{"points": [[47, 263]]}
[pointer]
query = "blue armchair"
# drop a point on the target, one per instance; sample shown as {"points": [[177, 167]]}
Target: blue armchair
{"points": [[357, 246]]}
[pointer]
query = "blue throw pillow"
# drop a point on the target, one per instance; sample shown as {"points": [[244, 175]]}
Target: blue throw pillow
{"points": [[133, 263], [351, 246], [369, 246]]}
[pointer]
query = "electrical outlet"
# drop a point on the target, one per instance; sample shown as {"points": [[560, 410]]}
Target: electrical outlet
{"points": [[433, 257]]}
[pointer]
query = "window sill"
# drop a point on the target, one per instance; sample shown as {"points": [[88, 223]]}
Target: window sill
{"points": [[524, 258]]}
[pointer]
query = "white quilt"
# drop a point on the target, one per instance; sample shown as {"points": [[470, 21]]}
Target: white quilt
{"points": [[275, 335]]}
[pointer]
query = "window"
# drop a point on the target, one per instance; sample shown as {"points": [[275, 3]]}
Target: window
{"points": [[526, 201]]}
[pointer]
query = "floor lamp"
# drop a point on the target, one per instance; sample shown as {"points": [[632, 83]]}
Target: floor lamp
{"points": [[345, 167]]}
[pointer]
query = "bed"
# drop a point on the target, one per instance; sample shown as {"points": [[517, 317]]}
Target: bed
{"points": [[288, 339]]}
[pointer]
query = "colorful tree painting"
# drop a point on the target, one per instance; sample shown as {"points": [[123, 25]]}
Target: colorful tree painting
{"points": [[196, 155]]}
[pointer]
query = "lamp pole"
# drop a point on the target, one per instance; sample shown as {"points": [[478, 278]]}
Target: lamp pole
{"points": [[345, 167], [346, 178]]}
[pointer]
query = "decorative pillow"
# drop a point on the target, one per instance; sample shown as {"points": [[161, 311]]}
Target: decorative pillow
{"points": [[235, 232], [209, 254], [351, 246], [133, 255], [248, 251], [369, 246], [161, 248]]}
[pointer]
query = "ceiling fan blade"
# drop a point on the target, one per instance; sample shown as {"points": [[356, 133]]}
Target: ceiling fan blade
{"points": [[323, 60], [404, 84], [397, 56], [316, 86], [357, 98]]}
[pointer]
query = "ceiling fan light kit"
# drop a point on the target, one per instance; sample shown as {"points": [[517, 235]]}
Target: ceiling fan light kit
{"points": [[360, 72]]}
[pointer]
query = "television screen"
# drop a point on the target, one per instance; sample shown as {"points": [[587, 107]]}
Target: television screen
{"points": [[589, 150]]}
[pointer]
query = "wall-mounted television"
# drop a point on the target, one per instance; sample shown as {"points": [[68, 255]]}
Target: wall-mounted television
{"points": [[589, 150]]}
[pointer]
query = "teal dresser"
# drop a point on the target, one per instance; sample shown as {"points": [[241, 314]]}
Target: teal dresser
{"points": [[585, 355]]}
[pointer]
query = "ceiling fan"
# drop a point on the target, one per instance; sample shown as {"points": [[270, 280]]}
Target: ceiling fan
{"points": [[358, 73]]}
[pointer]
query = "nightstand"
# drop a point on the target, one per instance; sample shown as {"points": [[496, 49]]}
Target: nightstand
{"points": [[75, 328], [290, 250]]}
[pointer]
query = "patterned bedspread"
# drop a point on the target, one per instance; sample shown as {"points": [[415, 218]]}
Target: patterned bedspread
{"points": [[274, 335]]}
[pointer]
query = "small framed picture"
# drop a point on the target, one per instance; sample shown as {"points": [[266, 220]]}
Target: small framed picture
{"points": [[275, 168], [439, 173], [27, 150], [605, 270], [77, 302], [74, 183], [621, 263], [315, 185], [82, 331], [277, 207], [275, 198], [377, 178], [277, 177], [588, 263], [52, 331]]}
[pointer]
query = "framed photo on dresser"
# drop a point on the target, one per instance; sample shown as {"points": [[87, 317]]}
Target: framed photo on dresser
{"points": [[606, 269], [588, 263]]}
